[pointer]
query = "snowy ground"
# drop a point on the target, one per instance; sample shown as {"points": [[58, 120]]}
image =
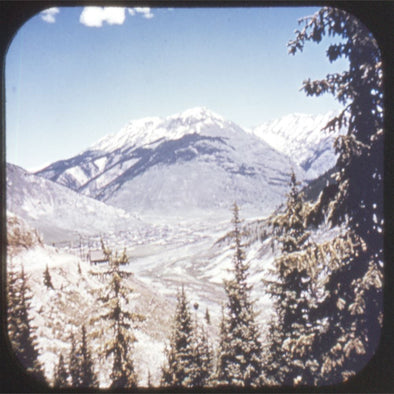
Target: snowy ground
{"points": [[174, 251], [164, 255]]}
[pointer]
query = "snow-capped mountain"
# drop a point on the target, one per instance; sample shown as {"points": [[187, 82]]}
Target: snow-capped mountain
{"points": [[192, 160], [58, 212], [300, 137]]}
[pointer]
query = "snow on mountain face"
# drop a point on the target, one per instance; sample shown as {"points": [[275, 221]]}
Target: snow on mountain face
{"points": [[56, 210], [193, 160], [147, 131], [300, 137]]}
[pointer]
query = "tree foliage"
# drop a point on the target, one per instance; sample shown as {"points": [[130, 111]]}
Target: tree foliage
{"points": [[239, 353], [290, 360], [359, 89], [20, 330], [61, 375], [202, 373], [189, 356], [88, 377], [113, 300], [74, 363], [178, 372], [354, 202]]}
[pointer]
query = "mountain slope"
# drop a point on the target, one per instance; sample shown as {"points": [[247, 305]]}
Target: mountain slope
{"points": [[300, 137], [196, 256], [59, 312], [58, 212], [195, 160]]}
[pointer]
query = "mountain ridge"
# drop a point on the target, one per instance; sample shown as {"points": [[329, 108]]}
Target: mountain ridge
{"points": [[301, 137], [56, 210], [122, 168]]}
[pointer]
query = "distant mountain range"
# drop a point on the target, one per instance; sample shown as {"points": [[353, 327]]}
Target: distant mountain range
{"points": [[192, 163], [196, 159]]}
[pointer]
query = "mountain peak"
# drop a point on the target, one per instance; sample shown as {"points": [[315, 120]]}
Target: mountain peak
{"points": [[301, 138], [200, 113], [150, 129], [194, 120]]}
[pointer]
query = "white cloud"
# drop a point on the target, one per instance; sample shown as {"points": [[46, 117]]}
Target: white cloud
{"points": [[96, 16], [145, 11], [49, 14]]}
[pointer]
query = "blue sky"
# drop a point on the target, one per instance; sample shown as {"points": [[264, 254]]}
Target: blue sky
{"points": [[74, 75]]}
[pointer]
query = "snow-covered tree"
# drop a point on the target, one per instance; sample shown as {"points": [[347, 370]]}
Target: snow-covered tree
{"points": [[121, 322], [20, 330], [61, 374], [289, 228], [178, 370], [202, 373], [290, 359], [240, 350], [353, 303]]}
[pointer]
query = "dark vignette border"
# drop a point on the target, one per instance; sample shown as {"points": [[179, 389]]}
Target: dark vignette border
{"points": [[378, 16]]}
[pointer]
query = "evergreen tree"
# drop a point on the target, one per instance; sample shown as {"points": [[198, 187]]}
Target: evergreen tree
{"points": [[224, 358], [353, 302], [290, 229], [81, 363], [13, 306], [239, 358], [47, 278], [202, 372], [178, 372], [207, 316], [203, 358], [21, 332], [290, 359], [61, 374], [87, 376], [74, 363], [121, 321]]}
